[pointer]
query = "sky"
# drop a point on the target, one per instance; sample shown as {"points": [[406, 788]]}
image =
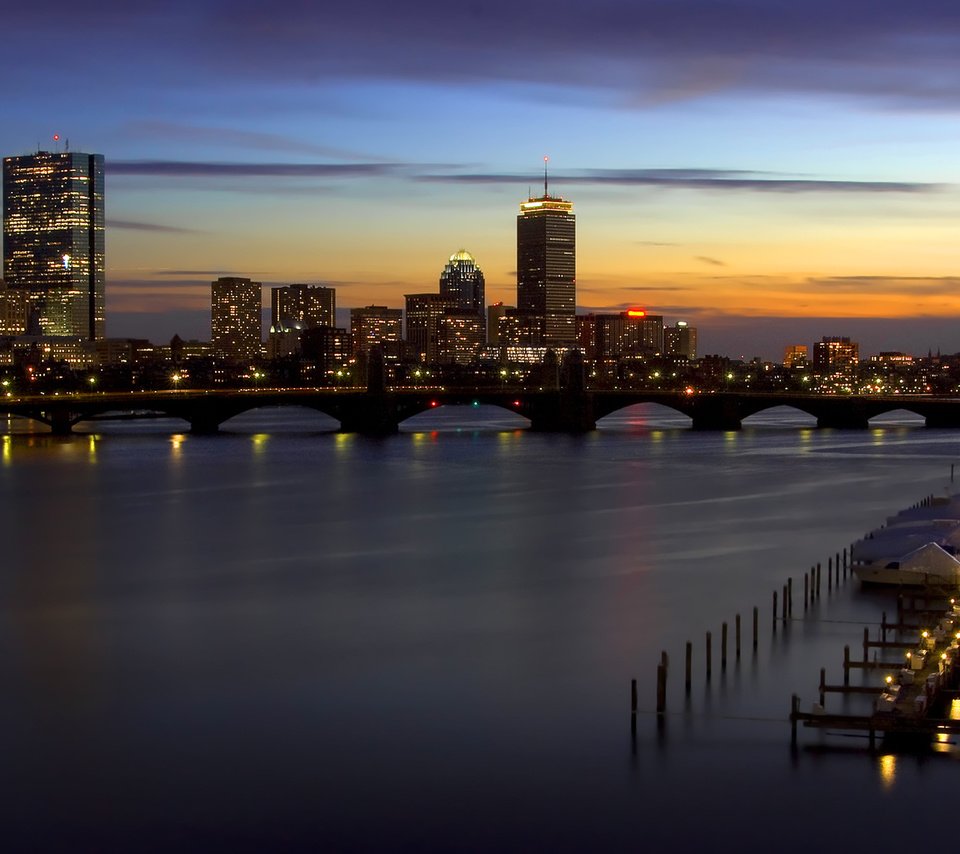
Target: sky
{"points": [[769, 171]]}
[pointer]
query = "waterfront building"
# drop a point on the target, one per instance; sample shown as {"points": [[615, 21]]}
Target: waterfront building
{"points": [[835, 355], [376, 325], [796, 356], [546, 266], [680, 340], [628, 334], [329, 350], [235, 319], [462, 285], [519, 328], [53, 239], [424, 313], [302, 306]]}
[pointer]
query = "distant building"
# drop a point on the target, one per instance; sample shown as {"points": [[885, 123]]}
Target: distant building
{"points": [[375, 325], [460, 338], [611, 337], [329, 348], [494, 313], [835, 355], [235, 319], [14, 310], [302, 306], [53, 239], [462, 285], [680, 340], [424, 313], [519, 328], [796, 356], [547, 266]]}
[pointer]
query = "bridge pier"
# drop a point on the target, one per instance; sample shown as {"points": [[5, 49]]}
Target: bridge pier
{"points": [[715, 412], [371, 414], [61, 423], [204, 425], [841, 421], [561, 412]]}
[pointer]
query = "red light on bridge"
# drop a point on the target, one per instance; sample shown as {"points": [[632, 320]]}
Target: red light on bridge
{"points": [[434, 403], [636, 312], [516, 403]]}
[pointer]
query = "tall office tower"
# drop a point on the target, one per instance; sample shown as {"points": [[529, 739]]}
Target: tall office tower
{"points": [[375, 325], [423, 316], [302, 307], [53, 230], [547, 265], [680, 340], [461, 283], [235, 319]]}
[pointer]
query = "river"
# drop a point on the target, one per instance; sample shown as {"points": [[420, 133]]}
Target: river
{"points": [[282, 638]]}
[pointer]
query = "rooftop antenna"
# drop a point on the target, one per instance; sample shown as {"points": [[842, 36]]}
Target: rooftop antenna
{"points": [[545, 160]]}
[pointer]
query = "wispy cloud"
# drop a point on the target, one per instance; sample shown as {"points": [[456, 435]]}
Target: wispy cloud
{"points": [[133, 225], [712, 262]]}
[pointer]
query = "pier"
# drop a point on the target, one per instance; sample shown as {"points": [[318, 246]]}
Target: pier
{"points": [[910, 699]]}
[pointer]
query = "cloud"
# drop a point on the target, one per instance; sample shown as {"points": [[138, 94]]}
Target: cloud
{"points": [[713, 262], [149, 226], [213, 169], [696, 179], [890, 285], [222, 137], [643, 53]]}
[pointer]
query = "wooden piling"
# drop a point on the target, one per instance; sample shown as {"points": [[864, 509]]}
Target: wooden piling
{"points": [[738, 636], [723, 647], [633, 697], [866, 642], [709, 655], [829, 574], [806, 591], [689, 667], [756, 623], [661, 690], [846, 666], [823, 685], [883, 626], [818, 580], [783, 607]]}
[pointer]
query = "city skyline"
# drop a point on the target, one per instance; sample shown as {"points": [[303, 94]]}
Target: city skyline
{"points": [[753, 171]]}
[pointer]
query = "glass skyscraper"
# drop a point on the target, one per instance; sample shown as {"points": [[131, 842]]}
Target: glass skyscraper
{"points": [[53, 240], [461, 283], [547, 267]]}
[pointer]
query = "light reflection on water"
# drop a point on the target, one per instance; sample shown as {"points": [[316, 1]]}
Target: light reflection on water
{"points": [[352, 643]]}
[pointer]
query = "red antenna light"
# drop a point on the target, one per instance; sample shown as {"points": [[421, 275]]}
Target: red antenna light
{"points": [[56, 137]]}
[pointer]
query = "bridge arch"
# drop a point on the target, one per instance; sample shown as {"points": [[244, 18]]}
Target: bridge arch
{"points": [[901, 416], [646, 415], [473, 414], [281, 418], [781, 415]]}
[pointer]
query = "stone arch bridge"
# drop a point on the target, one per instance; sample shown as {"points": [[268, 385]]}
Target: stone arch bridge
{"points": [[380, 412]]}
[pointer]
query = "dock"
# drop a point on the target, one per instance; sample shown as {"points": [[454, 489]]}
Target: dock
{"points": [[910, 700]]}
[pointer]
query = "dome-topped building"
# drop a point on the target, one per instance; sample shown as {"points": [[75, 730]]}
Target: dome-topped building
{"points": [[461, 284]]}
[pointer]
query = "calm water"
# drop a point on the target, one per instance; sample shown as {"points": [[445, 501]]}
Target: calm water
{"points": [[286, 639]]}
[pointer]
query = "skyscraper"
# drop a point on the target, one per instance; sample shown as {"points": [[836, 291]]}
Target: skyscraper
{"points": [[235, 324], [424, 313], [53, 239], [461, 284], [547, 265]]}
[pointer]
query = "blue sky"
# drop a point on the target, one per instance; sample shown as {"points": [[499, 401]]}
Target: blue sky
{"points": [[770, 171]]}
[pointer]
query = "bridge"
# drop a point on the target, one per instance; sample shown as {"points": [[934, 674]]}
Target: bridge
{"points": [[381, 411]]}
